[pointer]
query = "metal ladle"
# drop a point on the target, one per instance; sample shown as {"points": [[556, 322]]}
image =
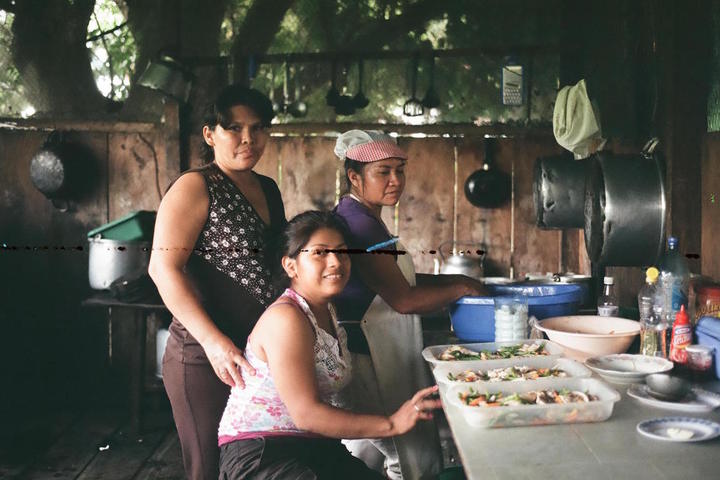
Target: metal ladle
{"points": [[413, 107], [360, 100], [431, 99]]}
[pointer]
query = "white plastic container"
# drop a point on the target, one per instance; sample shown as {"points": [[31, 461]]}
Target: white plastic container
{"points": [[571, 367], [431, 354], [522, 415]]}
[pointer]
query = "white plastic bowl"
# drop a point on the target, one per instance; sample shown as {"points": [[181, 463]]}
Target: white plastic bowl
{"points": [[583, 336]]}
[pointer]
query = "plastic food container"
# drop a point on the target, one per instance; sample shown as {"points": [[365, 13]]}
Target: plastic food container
{"points": [[473, 318], [522, 415], [571, 367], [431, 354], [708, 334]]}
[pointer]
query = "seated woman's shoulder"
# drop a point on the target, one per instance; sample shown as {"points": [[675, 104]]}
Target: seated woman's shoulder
{"points": [[282, 317]]}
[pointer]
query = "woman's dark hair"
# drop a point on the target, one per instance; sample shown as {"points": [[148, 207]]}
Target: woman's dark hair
{"points": [[297, 234], [218, 112], [355, 166]]}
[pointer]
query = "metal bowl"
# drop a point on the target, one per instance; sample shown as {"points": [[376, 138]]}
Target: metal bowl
{"points": [[667, 387]]}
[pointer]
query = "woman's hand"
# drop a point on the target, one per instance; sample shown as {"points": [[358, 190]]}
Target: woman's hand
{"points": [[227, 360], [473, 287], [417, 408]]}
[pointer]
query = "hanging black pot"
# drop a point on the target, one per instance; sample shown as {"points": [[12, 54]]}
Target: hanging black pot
{"points": [[59, 169], [488, 187]]}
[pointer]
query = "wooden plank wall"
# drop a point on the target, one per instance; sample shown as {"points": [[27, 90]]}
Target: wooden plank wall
{"points": [[433, 197], [710, 207], [56, 344]]}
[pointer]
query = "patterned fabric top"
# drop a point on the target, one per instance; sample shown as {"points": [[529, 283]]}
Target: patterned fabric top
{"points": [[257, 410], [233, 237]]}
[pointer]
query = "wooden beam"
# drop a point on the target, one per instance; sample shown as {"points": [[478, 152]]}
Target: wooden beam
{"points": [[104, 126], [438, 129]]}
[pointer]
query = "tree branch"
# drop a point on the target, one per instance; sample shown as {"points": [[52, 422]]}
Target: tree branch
{"points": [[259, 27], [380, 33], [8, 6], [102, 34]]}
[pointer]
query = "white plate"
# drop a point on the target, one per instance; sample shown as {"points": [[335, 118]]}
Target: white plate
{"points": [[701, 401], [431, 353], [627, 368], [657, 428]]}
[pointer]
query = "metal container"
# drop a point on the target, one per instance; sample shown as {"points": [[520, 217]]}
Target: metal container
{"points": [[462, 262], [559, 192], [112, 259], [625, 209]]}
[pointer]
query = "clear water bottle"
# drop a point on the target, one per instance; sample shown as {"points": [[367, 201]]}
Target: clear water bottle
{"points": [[653, 327], [674, 281], [608, 303]]}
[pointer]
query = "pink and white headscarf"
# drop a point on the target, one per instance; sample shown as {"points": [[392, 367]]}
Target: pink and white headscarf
{"points": [[367, 146]]}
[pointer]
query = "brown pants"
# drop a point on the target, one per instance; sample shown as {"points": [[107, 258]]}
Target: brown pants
{"points": [[291, 458], [198, 398]]}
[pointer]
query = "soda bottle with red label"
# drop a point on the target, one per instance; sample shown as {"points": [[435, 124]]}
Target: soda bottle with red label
{"points": [[681, 337]]}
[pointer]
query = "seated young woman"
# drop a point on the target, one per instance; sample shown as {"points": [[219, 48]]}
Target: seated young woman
{"points": [[287, 421]]}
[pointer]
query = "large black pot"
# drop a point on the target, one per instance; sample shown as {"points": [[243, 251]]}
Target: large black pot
{"points": [[61, 170], [625, 209], [559, 191]]}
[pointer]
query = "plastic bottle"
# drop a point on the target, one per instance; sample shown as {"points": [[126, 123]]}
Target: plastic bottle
{"points": [[681, 337], [653, 327], [607, 303], [674, 279]]}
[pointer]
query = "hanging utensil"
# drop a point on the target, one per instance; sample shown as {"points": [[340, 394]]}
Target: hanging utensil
{"points": [[332, 96], [360, 100], [431, 98], [488, 187], [286, 97], [297, 108], [413, 107], [345, 103], [276, 106]]}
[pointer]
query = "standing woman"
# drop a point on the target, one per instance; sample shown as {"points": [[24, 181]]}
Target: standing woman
{"points": [[381, 302], [210, 266]]}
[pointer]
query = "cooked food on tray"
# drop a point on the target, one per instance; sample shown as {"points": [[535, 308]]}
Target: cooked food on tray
{"points": [[509, 374], [474, 398], [457, 352]]}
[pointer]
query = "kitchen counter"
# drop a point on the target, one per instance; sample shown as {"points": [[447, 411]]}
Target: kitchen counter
{"points": [[605, 450]]}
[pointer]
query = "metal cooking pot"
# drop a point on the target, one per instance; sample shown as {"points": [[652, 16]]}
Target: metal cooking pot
{"points": [[625, 209], [112, 259], [586, 282], [461, 262], [559, 191]]}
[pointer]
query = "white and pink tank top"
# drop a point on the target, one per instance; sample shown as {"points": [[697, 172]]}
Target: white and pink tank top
{"points": [[258, 411]]}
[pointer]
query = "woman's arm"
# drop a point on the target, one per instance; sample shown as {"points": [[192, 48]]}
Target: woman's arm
{"points": [[181, 216], [381, 274], [284, 338]]}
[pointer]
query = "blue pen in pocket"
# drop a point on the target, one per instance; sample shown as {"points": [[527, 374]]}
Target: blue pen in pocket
{"points": [[380, 245]]}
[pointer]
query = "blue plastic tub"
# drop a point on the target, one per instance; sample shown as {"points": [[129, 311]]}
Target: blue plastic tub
{"points": [[473, 318]]}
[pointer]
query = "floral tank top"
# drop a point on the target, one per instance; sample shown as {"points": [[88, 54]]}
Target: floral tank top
{"points": [[258, 411]]}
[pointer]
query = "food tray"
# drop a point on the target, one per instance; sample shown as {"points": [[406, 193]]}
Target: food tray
{"points": [[571, 367], [522, 415], [431, 353]]}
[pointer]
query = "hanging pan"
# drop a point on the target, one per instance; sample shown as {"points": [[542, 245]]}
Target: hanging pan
{"points": [[488, 187]]}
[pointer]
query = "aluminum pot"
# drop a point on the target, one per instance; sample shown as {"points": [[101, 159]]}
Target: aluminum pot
{"points": [[625, 209], [462, 262], [559, 191], [112, 259]]}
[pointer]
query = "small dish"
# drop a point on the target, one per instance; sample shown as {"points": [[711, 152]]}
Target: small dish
{"points": [[627, 368], [701, 401], [666, 387], [679, 429]]}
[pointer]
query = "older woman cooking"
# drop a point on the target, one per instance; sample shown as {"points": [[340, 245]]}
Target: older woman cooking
{"points": [[209, 264], [383, 298]]}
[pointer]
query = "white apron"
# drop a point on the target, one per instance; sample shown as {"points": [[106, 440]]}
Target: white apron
{"points": [[396, 344]]}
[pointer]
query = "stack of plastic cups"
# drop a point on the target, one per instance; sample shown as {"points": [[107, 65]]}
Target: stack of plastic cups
{"points": [[511, 318]]}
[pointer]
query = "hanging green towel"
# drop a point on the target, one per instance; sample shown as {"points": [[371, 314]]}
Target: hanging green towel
{"points": [[576, 122]]}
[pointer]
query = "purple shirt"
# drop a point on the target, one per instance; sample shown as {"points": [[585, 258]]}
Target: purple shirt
{"points": [[365, 230]]}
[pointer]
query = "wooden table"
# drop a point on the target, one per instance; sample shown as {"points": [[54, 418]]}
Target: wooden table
{"points": [[136, 312]]}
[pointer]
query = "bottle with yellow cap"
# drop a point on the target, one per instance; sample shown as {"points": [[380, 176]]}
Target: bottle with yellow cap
{"points": [[653, 327]]}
